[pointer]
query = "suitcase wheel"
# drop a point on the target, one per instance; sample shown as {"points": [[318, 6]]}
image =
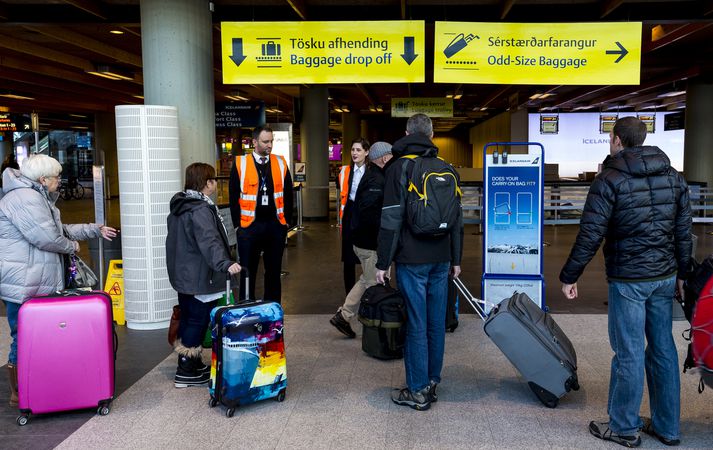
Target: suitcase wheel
{"points": [[281, 396], [103, 410], [229, 412], [23, 419], [212, 402], [545, 396]]}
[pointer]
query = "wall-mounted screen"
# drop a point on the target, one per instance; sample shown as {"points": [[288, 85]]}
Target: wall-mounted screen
{"points": [[579, 147]]}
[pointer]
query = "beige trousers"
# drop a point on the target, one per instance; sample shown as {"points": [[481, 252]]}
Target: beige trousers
{"points": [[367, 279]]}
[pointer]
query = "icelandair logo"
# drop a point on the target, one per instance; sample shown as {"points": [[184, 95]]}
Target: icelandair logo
{"points": [[595, 141]]}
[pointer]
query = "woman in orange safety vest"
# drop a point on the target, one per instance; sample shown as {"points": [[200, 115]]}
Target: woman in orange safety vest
{"points": [[349, 178]]}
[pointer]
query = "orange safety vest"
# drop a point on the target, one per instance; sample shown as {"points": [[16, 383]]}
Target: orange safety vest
{"points": [[344, 189], [250, 183]]}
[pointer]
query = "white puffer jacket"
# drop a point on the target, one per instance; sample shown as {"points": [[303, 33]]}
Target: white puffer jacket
{"points": [[31, 239]]}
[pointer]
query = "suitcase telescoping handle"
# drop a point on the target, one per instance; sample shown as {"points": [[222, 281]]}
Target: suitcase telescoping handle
{"points": [[477, 304], [228, 290]]}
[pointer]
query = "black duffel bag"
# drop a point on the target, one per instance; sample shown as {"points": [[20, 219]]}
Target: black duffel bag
{"points": [[383, 313]]}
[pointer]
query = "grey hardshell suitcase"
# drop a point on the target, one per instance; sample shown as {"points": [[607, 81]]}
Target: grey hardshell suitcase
{"points": [[533, 342]]}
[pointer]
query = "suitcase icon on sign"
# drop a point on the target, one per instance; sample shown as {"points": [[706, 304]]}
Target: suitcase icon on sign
{"points": [[271, 49]]}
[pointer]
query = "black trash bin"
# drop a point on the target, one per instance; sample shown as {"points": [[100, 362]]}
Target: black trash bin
{"points": [[112, 250]]}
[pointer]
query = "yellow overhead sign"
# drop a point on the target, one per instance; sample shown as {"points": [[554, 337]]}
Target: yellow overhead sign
{"points": [[323, 52], [537, 53]]}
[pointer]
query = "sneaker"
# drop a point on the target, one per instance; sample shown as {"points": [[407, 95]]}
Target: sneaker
{"points": [[432, 396], [417, 400], [341, 324], [648, 428], [602, 431]]}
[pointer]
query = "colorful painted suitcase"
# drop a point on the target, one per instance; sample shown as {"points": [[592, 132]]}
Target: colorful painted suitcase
{"points": [[66, 351], [533, 342], [248, 362]]}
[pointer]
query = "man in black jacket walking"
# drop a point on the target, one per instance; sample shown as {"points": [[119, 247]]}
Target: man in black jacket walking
{"points": [[422, 266], [639, 206], [363, 225]]}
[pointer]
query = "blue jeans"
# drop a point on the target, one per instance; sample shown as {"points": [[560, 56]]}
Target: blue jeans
{"points": [[425, 289], [12, 310], [640, 314]]}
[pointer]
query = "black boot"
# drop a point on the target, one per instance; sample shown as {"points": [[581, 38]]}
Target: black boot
{"points": [[190, 370]]}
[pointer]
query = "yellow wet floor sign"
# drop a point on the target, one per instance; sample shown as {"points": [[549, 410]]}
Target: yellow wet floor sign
{"points": [[114, 286]]}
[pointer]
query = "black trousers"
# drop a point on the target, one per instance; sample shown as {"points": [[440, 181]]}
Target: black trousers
{"points": [[268, 238]]}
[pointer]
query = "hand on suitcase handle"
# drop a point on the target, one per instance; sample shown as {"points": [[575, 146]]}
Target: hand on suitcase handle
{"points": [[234, 269]]}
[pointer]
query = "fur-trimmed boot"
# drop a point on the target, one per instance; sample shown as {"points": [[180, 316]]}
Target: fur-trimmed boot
{"points": [[12, 376], [191, 370]]}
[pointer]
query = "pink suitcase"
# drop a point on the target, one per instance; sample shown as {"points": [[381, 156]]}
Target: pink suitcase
{"points": [[65, 349]]}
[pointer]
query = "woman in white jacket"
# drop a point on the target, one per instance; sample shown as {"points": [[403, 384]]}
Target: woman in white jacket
{"points": [[33, 240]]}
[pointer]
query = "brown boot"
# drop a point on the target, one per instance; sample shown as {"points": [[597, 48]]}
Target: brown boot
{"points": [[12, 375]]}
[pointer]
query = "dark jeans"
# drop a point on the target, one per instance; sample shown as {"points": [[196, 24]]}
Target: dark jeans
{"points": [[12, 311], [195, 317], [268, 238]]}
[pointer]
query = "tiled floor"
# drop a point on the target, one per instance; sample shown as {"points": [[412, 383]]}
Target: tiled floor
{"points": [[338, 396]]}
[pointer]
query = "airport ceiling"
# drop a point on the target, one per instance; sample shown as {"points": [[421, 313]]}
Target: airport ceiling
{"points": [[47, 48]]}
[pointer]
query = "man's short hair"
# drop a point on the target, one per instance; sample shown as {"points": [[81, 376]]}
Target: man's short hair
{"points": [[40, 166], [258, 130], [631, 131], [197, 176], [419, 123]]}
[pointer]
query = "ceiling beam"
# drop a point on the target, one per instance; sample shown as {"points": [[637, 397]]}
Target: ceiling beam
{"points": [[579, 95], [608, 7], [672, 36], [37, 83], [51, 71], [272, 91], [78, 40], [366, 94], [496, 94], [39, 51], [299, 7], [90, 6], [505, 7], [707, 7], [652, 84]]}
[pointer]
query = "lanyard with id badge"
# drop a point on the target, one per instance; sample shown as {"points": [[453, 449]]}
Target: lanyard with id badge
{"points": [[263, 186]]}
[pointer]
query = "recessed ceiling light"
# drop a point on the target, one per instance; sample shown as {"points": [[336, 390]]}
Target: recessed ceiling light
{"points": [[116, 32]]}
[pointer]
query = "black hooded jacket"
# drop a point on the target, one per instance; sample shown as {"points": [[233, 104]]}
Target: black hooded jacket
{"points": [[396, 241], [197, 250], [639, 205]]}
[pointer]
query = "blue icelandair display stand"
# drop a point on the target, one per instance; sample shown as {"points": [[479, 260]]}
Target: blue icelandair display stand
{"points": [[512, 222]]}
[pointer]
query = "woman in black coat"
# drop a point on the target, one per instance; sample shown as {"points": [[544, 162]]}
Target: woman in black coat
{"points": [[198, 262]]}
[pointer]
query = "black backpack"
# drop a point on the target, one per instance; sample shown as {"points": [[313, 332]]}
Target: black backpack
{"points": [[433, 200]]}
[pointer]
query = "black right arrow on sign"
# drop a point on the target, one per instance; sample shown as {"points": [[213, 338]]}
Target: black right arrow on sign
{"points": [[622, 52]]}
